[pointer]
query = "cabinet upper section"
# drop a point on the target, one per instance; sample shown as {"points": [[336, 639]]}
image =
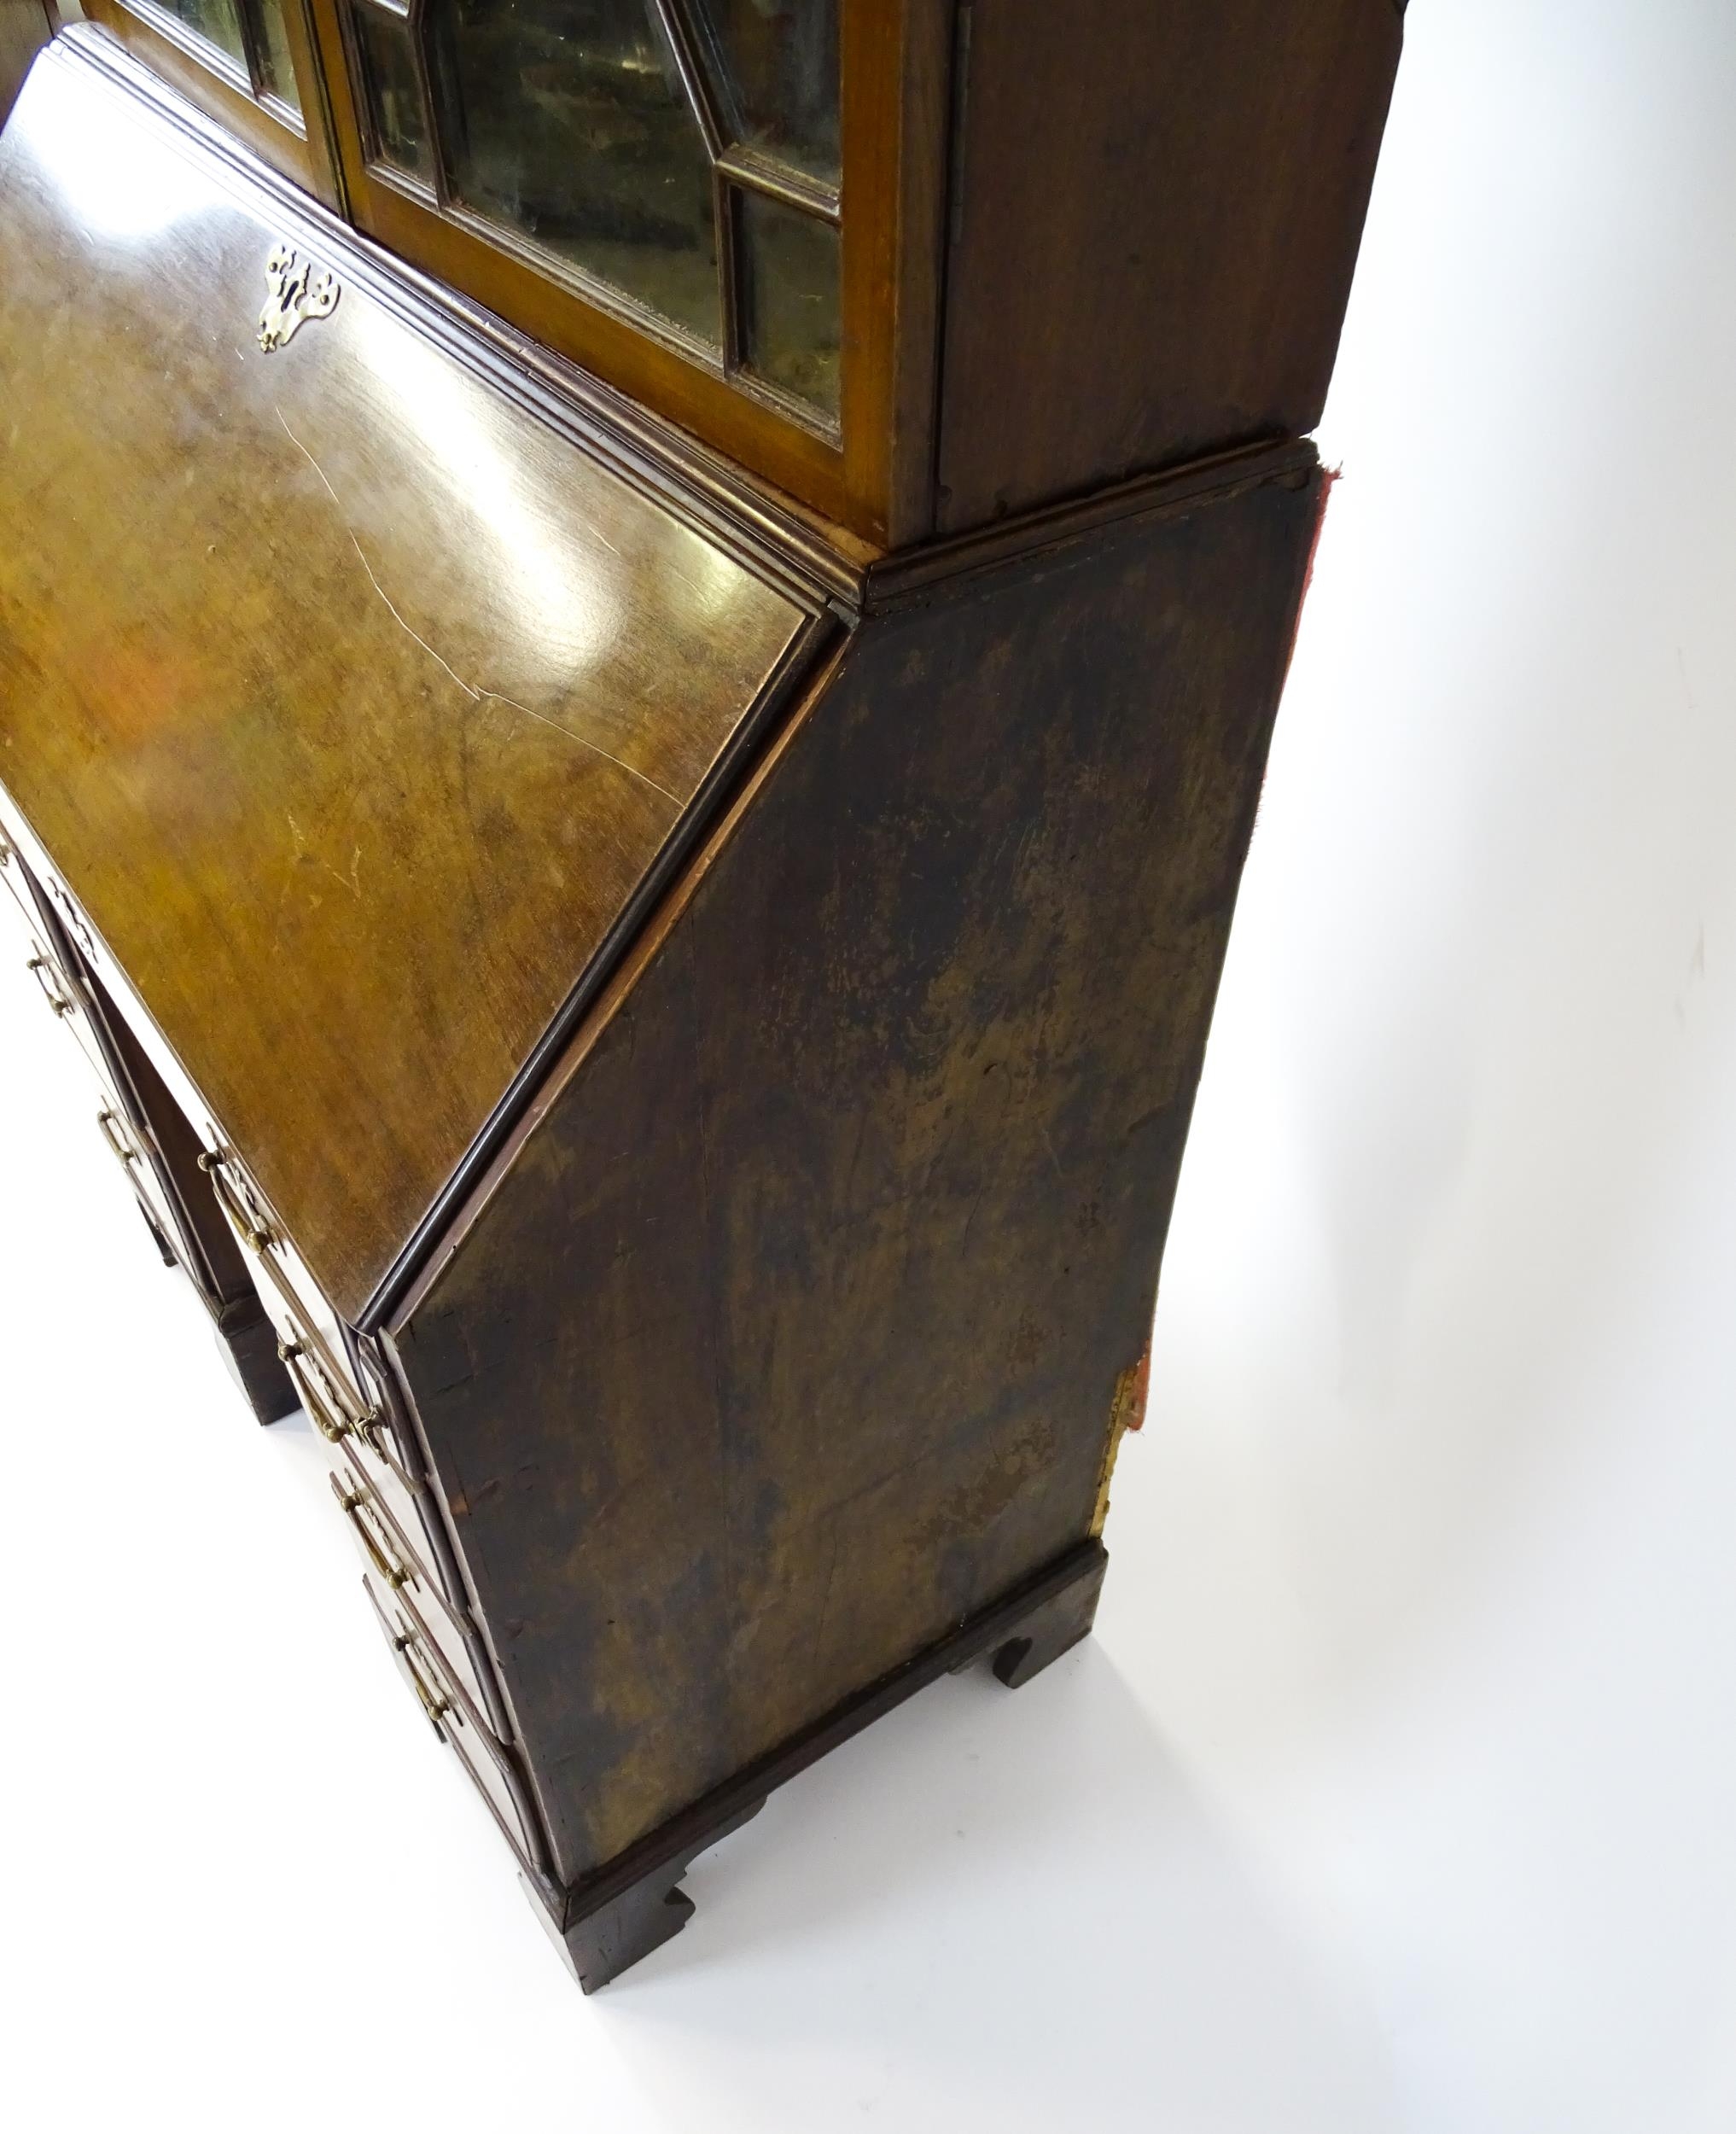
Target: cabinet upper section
{"points": [[920, 263]]}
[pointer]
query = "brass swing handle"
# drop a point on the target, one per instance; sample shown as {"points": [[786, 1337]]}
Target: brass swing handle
{"points": [[353, 1504], [41, 969], [117, 1139], [406, 1649], [326, 1410], [425, 1680], [251, 1226], [332, 1412]]}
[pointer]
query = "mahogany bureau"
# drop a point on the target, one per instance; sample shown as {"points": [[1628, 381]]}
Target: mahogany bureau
{"points": [[637, 646]]}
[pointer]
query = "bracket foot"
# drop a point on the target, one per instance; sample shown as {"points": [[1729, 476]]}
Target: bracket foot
{"points": [[1055, 1626], [599, 1944], [249, 1348]]}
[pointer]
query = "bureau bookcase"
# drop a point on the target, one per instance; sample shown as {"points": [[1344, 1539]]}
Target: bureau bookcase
{"points": [[638, 641]]}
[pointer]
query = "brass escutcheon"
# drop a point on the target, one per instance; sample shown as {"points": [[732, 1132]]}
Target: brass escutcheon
{"points": [[293, 291]]}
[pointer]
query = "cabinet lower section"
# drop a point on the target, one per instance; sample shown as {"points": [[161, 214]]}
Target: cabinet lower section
{"points": [[695, 1124], [283, 1358], [636, 1904]]}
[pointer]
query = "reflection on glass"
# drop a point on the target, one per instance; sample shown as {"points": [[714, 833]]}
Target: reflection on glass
{"points": [[782, 57], [217, 21], [394, 98], [276, 69], [565, 119], [789, 292]]}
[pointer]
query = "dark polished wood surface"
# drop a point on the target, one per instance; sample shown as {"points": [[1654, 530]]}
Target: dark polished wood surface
{"points": [[1079, 242], [351, 703], [1155, 210], [905, 1071], [681, 1020]]}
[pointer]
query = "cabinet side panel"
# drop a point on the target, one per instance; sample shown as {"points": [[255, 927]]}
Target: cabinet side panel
{"points": [[791, 1339], [1155, 210]]}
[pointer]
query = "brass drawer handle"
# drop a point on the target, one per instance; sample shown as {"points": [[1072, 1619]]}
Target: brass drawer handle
{"points": [[334, 1409], [407, 1648], [368, 1428], [253, 1228], [117, 1140], [331, 1413], [323, 1412], [428, 1679], [352, 1503], [40, 968]]}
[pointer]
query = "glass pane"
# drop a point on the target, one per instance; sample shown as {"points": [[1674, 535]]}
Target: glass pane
{"points": [[217, 21], [394, 98], [565, 119], [789, 300], [783, 61], [276, 69]]}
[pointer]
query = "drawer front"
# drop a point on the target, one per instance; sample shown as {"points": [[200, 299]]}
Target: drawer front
{"points": [[133, 1154], [319, 1364], [377, 1487], [50, 892], [73, 997], [377, 1490], [63, 997], [379, 1457], [37, 888], [123, 1133], [291, 1297], [393, 1556], [15, 889], [278, 1268], [453, 1714]]}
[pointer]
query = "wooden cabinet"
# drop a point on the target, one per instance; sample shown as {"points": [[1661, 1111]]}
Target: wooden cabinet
{"points": [[919, 263], [646, 902]]}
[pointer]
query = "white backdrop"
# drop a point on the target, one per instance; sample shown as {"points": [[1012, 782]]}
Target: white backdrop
{"points": [[1394, 1795]]}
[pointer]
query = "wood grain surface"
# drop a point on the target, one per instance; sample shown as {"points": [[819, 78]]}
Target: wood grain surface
{"points": [[1155, 210], [791, 1335], [351, 702]]}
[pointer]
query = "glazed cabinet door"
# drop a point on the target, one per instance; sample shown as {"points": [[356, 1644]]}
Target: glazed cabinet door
{"points": [[727, 208]]}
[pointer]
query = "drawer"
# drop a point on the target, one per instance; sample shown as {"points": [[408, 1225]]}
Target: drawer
{"points": [[43, 899], [398, 1565], [394, 1472], [310, 1329], [127, 1136], [64, 998], [375, 1450], [14, 888], [359, 1429], [53, 893], [123, 1135], [320, 1369], [132, 1152], [492, 1766], [129, 1022]]}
